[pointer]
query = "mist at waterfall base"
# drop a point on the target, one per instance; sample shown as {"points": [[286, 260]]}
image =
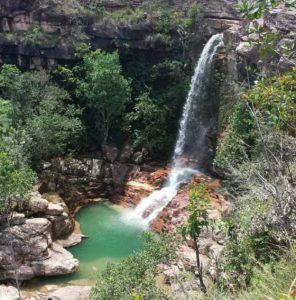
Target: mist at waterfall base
{"points": [[192, 146]]}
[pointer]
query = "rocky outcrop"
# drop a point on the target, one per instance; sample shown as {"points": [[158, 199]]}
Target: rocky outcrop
{"points": [[62, 223], [275, 32], [80, 181], [28, 250], [28, 247], [210, 241], [219, 16], [37, 36], [139, 184], [108, 176], [175, 213]]}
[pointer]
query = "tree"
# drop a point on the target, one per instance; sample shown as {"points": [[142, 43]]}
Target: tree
{"points": [[42, 111], [199, 200], [16, 177], [148, 123], [103, 88], [134, 277]]}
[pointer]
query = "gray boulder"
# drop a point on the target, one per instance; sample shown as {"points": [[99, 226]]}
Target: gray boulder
{"points": [[37, 204], [54, 209]]}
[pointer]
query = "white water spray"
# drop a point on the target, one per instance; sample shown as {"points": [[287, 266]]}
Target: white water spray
{"points": [[190, 146]]}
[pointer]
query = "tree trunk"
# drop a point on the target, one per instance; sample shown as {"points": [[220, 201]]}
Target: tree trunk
{"points": [[199, 267]]}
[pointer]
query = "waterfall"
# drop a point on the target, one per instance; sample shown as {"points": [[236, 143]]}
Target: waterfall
{"points": [[191, 146]]}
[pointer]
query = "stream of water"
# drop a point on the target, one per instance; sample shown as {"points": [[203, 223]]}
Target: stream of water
{"points": [[191, 146]]}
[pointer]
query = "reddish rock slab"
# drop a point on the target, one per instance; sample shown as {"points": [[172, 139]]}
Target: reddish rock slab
{"points": [[175, 214]]}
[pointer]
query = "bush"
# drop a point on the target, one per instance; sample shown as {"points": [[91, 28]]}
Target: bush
{"points": [[272, 103], [43, 111], [271, 281], [147, 124], [134, 277]]}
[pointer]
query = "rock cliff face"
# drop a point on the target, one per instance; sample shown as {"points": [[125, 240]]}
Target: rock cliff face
{"points": [[276, 30], [32, 244], [34, 36], [85, 180], [27, 247]]}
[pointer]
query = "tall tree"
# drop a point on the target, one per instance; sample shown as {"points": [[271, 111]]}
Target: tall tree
{"points": [[104, 89]]}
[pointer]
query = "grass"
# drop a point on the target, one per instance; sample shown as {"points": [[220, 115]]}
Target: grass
{"points": [[271, 282]]}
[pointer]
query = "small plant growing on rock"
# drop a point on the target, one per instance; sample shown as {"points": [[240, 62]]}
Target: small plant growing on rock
{"points": [[199, 200]]}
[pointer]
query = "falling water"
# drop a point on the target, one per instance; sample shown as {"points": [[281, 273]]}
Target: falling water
{"points": [[191, 147]]}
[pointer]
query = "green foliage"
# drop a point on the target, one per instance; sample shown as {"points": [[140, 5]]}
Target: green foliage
{"points": [[103, 89], [5, 116], [199, 201], [258, 152], [244, 251], [273, 100], [42, 111], [16, 178], [274, 281], [276, 96], [147, 123], [193, 15], [134, 277], [54, 131], [254, 9], [240, 139]]}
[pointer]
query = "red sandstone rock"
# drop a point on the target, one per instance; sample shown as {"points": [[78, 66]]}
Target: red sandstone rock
{"points": [[175, 213]]}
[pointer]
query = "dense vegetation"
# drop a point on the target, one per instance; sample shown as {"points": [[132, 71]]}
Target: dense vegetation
{"points": [[134, 277], [256, 153], [123, 96]]}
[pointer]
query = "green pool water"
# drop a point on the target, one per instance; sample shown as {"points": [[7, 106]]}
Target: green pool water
{"points": [[109, 240]]}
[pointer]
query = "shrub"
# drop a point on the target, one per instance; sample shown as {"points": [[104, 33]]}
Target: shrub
{"points": [[134, 277], [42, 110]]}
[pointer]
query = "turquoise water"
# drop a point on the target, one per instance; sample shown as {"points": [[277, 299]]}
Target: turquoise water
{"points": [[109, 240]]}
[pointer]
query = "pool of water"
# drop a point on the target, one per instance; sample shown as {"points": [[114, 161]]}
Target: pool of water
{"points": [[109, 239]]}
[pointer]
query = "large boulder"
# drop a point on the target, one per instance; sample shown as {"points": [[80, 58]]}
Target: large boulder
{"points": [[34, 253], [62, 225], [8, 293], [37, 204], [54, 209], [59, 262]]}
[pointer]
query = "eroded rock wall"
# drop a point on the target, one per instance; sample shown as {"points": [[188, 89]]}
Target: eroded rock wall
{"points": [[27, 241], [23, 22]]}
